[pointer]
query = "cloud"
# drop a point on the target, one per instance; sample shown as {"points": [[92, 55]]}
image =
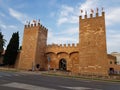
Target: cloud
{"points": [[62, 20], [113, 40], [6, 26], [3, 26], [89, 4], [112, 16], [19, 16], [69, 31], [62, 38], [65, 10], [68, 14]]}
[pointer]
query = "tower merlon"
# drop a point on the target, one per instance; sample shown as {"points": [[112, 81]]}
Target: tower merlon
{"points": [[103, 13], [34, 24], [73, 45], [80, 17], [38, 23], [85, 16], [64, 45], [31, 25], [77, 44], [97, 14], [60, 45], [92, 15], [44, 28], [68, 45]]}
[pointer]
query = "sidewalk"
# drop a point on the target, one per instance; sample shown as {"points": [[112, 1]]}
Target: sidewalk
{"points": [[21, 71], [33, 72]]}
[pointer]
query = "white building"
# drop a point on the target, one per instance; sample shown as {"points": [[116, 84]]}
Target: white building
{"points": [[117, 56]]}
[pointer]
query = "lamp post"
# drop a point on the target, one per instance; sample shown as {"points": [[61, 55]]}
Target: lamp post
{"points": [[48, 58], [33, 66]]}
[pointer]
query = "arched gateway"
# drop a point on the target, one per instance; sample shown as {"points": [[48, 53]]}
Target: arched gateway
{"points": [[63, 64]]}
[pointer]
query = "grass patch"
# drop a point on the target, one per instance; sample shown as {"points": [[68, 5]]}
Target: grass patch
{"points": [[81, 77], [8, 69]]}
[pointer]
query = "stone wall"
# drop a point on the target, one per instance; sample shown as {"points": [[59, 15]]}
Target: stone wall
{"points": [[67, 48], [68, 52], [33, 46], [92, 50]]}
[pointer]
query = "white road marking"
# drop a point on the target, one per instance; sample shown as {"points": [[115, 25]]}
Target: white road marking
{"points": [[80, 88], [25, 86], [77, 88]]}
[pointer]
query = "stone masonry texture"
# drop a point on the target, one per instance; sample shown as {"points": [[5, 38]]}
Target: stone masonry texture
{"points": [[89, 56]]}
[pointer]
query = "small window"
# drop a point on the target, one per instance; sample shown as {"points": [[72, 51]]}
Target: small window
{"points": [[115, 62], [110, 62]]}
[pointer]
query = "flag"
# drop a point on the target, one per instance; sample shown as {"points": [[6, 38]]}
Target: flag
{"points": [[92, 11], [26, 22], [39, 21], [34, 21], [81, 11], [29, 23], [102, 8], [85, 12], [97, 10]]}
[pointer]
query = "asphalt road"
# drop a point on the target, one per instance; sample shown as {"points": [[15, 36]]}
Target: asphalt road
{"points": [[25, 81]]}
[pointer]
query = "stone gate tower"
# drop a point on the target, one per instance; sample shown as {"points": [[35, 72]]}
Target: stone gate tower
{"points": [[92, 49], [33, 46]]}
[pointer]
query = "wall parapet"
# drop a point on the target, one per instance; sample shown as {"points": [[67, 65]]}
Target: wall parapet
{"points": [[73, 45], [92, 14], [34, 24], [67, 48]]}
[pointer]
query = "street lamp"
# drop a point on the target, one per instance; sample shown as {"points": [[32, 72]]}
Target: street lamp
{"points": [[48, 58]]}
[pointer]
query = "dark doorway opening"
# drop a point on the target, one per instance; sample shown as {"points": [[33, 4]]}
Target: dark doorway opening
{"points": [[111, 70], [63, 64]]}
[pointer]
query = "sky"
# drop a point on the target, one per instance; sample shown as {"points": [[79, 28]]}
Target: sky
{"points": [[60, 17]]}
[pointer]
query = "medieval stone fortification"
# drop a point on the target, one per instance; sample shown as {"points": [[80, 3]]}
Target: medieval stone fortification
{"points": [[89, 56]]}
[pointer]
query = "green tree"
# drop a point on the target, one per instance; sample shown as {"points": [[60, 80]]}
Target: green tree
{"points": [[12, 50], [2, 43]]}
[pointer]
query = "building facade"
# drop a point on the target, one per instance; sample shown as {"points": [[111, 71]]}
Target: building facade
{"points": [[89, 56], [117, 55]]}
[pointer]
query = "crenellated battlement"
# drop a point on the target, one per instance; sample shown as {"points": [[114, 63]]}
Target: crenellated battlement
{"points": [[92, 14], [34, 24], [56, 48], [73, 45]]}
